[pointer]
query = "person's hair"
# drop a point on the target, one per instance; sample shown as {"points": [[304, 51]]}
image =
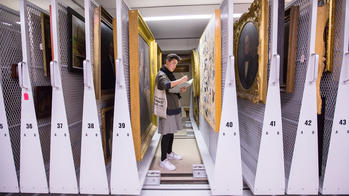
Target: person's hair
{"points": [[172, 56]]}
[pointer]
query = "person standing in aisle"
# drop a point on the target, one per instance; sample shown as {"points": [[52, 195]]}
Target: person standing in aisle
{"points": [[165, 80]]}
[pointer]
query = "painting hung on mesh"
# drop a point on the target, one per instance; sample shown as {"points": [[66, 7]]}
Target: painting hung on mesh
{"points": [[210, 72]]}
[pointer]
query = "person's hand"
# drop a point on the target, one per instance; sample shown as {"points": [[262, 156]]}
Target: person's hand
{"points": [[184, 78], [183, 89]]}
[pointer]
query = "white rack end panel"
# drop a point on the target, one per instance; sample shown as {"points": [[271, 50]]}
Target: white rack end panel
{"points": [[227, 176], [62, 169], [124, 171], [227, 171], [336, 177], [304, 172], [270, 174], [32, 170], [93, 175], [8, 176]]}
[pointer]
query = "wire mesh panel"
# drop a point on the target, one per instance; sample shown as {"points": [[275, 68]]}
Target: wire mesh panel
{"points": [[72, 84], [291, 103], [329, 81], [11, 53]]}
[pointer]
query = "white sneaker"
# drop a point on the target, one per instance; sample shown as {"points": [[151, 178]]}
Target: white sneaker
{"points": [[167, 165], [174, 156]]}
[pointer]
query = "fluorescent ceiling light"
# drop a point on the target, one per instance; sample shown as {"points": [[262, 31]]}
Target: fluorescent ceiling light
{"points": [[183, 17], [178, 17]]}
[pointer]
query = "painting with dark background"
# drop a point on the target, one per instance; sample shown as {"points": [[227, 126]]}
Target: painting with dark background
{"points": [[247, 56], [107, 58], [46, 43], [107, 132], [144, 85], [76, 26]]}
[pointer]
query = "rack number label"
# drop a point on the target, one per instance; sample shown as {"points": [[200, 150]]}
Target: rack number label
{"points": [[59, 125], [1, 126], [122, 125], [273, 123], [90, 125], [308, 122], [342, 122], [229, 124], [28, 126]]}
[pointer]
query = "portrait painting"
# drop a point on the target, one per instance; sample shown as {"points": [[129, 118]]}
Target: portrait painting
{"points": [[107, 132], [209, 50], [46, 43], [77, 46], [43, 101], [143, 55], [251, 52], [247, 58], [288, 68], [104, 54]]}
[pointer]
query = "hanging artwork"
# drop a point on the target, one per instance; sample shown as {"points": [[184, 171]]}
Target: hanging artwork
{"points": [[46, 43], [107, 132], [210, 71], [143, 68], [42, 101], [251, 52], [324, 42], [196, 85], [290, 47], [104, 53], [77, 46]]}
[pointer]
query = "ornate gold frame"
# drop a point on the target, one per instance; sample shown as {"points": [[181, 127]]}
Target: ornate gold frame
{"points": [[258, 13], [137, 26], [196, 85], [330, 37], [104, 142], [159, 55], [100, 14], [292, 16]]}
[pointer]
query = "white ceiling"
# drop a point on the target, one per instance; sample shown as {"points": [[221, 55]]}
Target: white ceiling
{"points": [[171, 35]]}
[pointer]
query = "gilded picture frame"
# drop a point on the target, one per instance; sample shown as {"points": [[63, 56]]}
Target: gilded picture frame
{"points": [[290, 48], [107, 132], [138, 29], [104, 56], [329, 8], [159, 59], [324, 42], [258, 14], [196, 85], [209, 51]]}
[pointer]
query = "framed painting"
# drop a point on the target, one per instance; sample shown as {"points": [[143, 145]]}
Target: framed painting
{"points": [[196, 85], [143, 69], [43, 101], [209, 51], [107, 132], [104, 53], [290, 48], [159, 60], [324, 42], [251, 52], [325, 34], [77, 46], [46, 43]]}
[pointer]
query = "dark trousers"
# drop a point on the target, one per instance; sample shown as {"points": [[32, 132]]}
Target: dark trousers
{"points": [[166, 145]]}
